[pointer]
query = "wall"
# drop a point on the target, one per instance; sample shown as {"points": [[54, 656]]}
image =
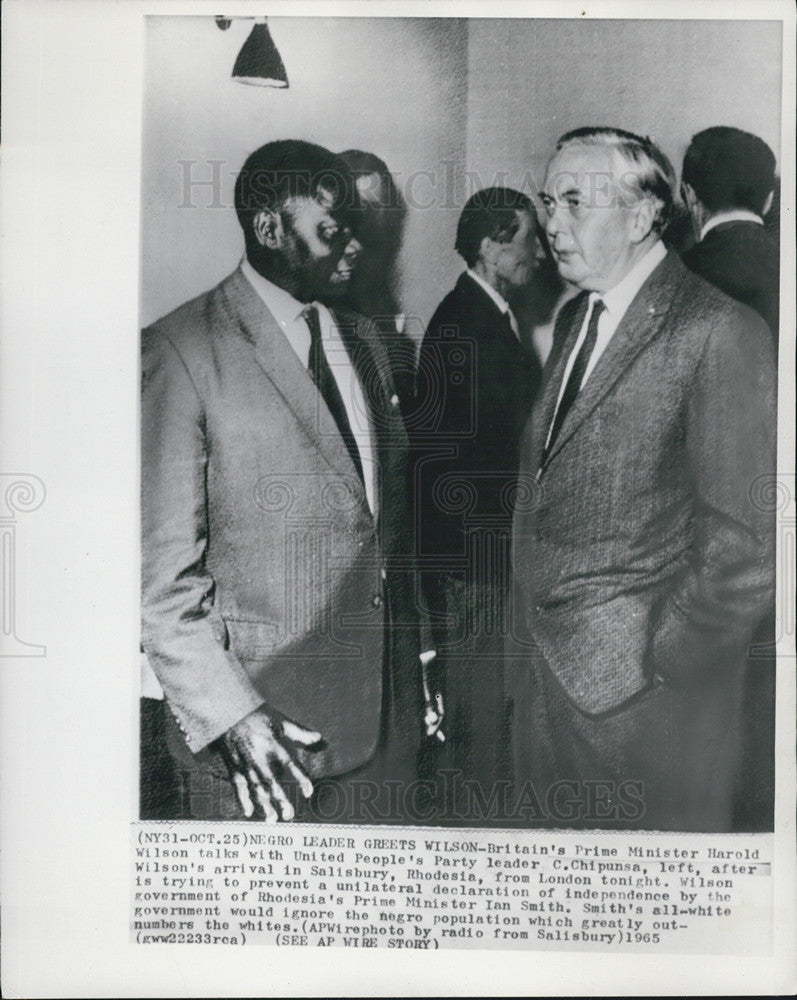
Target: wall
{"points": [[666, 79], [395, 87], [450, 105]]}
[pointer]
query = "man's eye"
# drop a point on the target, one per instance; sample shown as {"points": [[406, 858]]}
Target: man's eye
{"points": [[573, 204]]}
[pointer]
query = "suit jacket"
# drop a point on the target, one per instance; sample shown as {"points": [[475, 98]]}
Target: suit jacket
{"points": [[742, 259], [266, 578], [476, 384], [644, 551]]}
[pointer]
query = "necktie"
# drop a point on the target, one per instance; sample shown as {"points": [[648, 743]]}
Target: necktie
{"points": [[576, 373], [321, 374]]}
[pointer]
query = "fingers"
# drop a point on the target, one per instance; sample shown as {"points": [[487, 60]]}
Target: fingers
{"points": [[277, 794], [250, 756], [255, 783], [242, 791], [253, 778], [235, 766], [298, 734], [293, 768]]}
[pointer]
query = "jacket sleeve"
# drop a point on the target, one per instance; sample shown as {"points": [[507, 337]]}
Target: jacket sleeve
{"points": [[708, 617], [183, 634]]}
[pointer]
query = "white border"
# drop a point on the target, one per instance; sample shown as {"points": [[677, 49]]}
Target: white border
{"points": [[72, 93]]}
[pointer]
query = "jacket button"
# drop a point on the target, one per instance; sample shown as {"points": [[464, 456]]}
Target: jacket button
{"points": [[377, 601]]}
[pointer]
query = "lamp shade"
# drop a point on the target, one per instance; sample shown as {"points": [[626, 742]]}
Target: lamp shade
{"points": [[259, 62]]}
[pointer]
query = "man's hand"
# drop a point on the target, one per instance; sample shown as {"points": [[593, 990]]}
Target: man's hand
{"points": [[434, 709], [258, 760]]}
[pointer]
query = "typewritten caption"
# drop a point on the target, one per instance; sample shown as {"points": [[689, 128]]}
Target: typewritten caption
{"points": [[426, 889]]}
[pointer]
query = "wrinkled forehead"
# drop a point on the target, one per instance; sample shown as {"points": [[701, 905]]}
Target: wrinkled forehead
{"points": [[580, 169]]}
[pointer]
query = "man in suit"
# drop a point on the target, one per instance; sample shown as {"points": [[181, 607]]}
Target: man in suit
{"points": [[476, 382], [727, 183], [278, 592], [643, 562], [372, 290]]}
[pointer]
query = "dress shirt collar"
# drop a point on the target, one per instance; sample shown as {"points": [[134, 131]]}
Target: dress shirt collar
{"points": [[281, 304], [618, 299], [497, 297], [732, 215]]}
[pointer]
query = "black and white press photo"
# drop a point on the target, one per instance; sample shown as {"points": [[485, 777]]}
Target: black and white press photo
{"points": [[398, 498], [458, 422]]}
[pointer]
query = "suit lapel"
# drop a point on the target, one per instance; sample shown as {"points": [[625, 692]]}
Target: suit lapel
{"points": [[373, 371], [638, 326], [279, 361], [353, 334]]}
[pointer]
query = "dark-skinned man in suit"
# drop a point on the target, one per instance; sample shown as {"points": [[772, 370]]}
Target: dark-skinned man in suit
{"points": [[278, 590]]}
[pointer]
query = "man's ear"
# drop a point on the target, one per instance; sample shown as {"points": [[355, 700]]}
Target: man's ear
{"points": [[487, 251], [767, 203], [267, 227], [689, 196], [644, 218]]}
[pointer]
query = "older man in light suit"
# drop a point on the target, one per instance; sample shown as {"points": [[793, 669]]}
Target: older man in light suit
{"points": [[642, 563], [278, 589]]}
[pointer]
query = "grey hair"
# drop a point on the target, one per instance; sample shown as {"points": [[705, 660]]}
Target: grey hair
{"points": [[653, 174]]}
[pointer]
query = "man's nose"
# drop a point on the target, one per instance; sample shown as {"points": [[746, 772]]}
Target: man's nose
{"points": [[553, 223], [352, 250]]}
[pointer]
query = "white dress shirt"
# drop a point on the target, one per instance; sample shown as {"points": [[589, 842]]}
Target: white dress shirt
{"points": [[616, 302], [499, 300], [732, 215], [287, 311]]}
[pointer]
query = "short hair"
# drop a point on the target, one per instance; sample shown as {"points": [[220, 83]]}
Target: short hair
{"points": [[362, 164], [729, 168], [491, 212], [653, 173], [291, 168]]}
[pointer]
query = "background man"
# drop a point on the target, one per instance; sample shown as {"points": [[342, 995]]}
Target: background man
{"points": [[373, 289], [476, 382], [727, 183], [274, 513], [644, 564]]}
